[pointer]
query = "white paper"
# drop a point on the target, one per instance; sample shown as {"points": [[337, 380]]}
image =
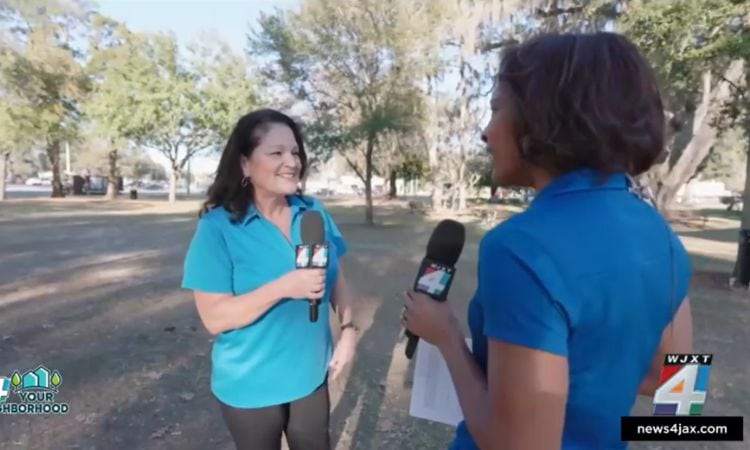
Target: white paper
{"points": [[433, 396]]}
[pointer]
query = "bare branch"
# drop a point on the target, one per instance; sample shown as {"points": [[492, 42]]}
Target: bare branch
{"points": [[353, 165], [737, 89]]}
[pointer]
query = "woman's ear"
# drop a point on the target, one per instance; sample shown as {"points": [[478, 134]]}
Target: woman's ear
{"points": [[245, 165]]}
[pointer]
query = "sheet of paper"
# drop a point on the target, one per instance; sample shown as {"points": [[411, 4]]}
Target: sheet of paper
{"points": [[433, 396]]}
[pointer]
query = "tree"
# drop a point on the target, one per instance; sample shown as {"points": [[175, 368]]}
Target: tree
{"points": [[726, 161], [7, 144], [461, 111], [676, 37], [679, 38], [733, 44], [320, 144], [356, 64], [403, 157], [116, 68], [184, 108], [40, 73]]}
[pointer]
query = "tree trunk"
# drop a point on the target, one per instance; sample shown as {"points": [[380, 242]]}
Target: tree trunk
{"points": [[462, 191], [112, 178], [704, 135], [3, 173], [741, 271], [10, 170], [392, 191], [53, 153], [303, 182], [369, 213], [462, 197], [437, 195], [173, 176], [435, 178]]}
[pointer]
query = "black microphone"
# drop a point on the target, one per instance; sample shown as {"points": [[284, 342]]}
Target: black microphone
{"points": [[313, 252], [438, 267]]}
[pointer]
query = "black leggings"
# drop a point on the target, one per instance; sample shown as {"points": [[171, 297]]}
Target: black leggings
{"points": [[304, 421]]}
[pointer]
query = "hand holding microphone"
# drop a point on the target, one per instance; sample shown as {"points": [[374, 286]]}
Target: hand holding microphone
{"points": [[432, 284], [305, 283], [430, 320]]}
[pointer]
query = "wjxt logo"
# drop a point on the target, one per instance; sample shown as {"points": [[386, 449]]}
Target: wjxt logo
{"points": [[36, 390]]}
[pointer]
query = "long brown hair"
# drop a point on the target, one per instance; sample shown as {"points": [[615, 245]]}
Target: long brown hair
{"points": [[227, 189]]}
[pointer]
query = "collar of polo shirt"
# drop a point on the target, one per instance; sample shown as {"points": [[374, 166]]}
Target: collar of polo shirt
{"points": [[297, 203]]}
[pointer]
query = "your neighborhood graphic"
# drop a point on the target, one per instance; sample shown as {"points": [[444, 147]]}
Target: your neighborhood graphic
{"points": [[34, 391]]}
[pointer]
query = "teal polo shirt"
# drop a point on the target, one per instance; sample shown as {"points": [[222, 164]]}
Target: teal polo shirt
{"points": [[587, 271], [282, 356]]}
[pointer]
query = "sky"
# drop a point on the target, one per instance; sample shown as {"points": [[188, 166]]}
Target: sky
{"points": [[230, 19]]}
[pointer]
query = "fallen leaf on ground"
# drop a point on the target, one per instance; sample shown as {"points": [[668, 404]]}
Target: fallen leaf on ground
{"points": [[153, 375], [160, 433]]}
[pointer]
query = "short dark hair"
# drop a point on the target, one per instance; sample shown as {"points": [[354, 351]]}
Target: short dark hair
{"points": [[227, 189], [585, 100]]}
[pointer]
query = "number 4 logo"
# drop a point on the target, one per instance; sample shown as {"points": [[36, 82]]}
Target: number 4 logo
{"points": [[433, 282], [683, 393]]}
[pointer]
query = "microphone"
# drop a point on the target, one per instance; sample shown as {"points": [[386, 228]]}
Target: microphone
{"points": [[438, 267], [313, 252]]}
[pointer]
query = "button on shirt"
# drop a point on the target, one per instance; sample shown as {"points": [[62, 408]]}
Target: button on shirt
{"points": [[281, 356], [591, 272]]}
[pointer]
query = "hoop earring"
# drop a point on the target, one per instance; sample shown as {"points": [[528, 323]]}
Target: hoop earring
{"points": [[245, 182]]}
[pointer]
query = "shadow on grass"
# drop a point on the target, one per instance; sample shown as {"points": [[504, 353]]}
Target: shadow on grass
{"points": [[122, 376], [131, 384], [721, 213], [719, 235]]}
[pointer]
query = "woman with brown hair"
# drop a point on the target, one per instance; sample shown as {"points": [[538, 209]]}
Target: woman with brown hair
{"points": [[579, 296], [270, 363]]}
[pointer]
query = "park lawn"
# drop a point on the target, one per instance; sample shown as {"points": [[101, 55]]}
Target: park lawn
{"points": [[91, 288]]}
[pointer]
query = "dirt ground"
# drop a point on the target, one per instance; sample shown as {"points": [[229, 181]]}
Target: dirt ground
{"points": [[91, 289]]}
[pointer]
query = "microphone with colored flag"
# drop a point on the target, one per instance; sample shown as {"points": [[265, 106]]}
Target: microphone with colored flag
{"points": [[438, 267], [313, 252]]}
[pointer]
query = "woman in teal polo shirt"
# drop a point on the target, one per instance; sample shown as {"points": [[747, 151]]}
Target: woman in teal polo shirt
{"points": [[580, 295], [270, 363]]}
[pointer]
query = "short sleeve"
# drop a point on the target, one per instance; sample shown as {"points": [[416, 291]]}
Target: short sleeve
{"points": [[207, 265], [517, 307]]}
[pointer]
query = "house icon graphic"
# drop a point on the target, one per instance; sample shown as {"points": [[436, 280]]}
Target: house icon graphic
{"points": [[40, 378]]}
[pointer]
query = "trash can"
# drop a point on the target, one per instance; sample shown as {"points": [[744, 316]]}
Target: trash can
{"points": [[78, 184], [134, 194]]}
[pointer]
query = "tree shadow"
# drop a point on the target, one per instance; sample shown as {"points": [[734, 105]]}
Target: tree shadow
{"points": [[121, 380], [373, 408], [721, 213], [365, 384], [729, 235]]}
